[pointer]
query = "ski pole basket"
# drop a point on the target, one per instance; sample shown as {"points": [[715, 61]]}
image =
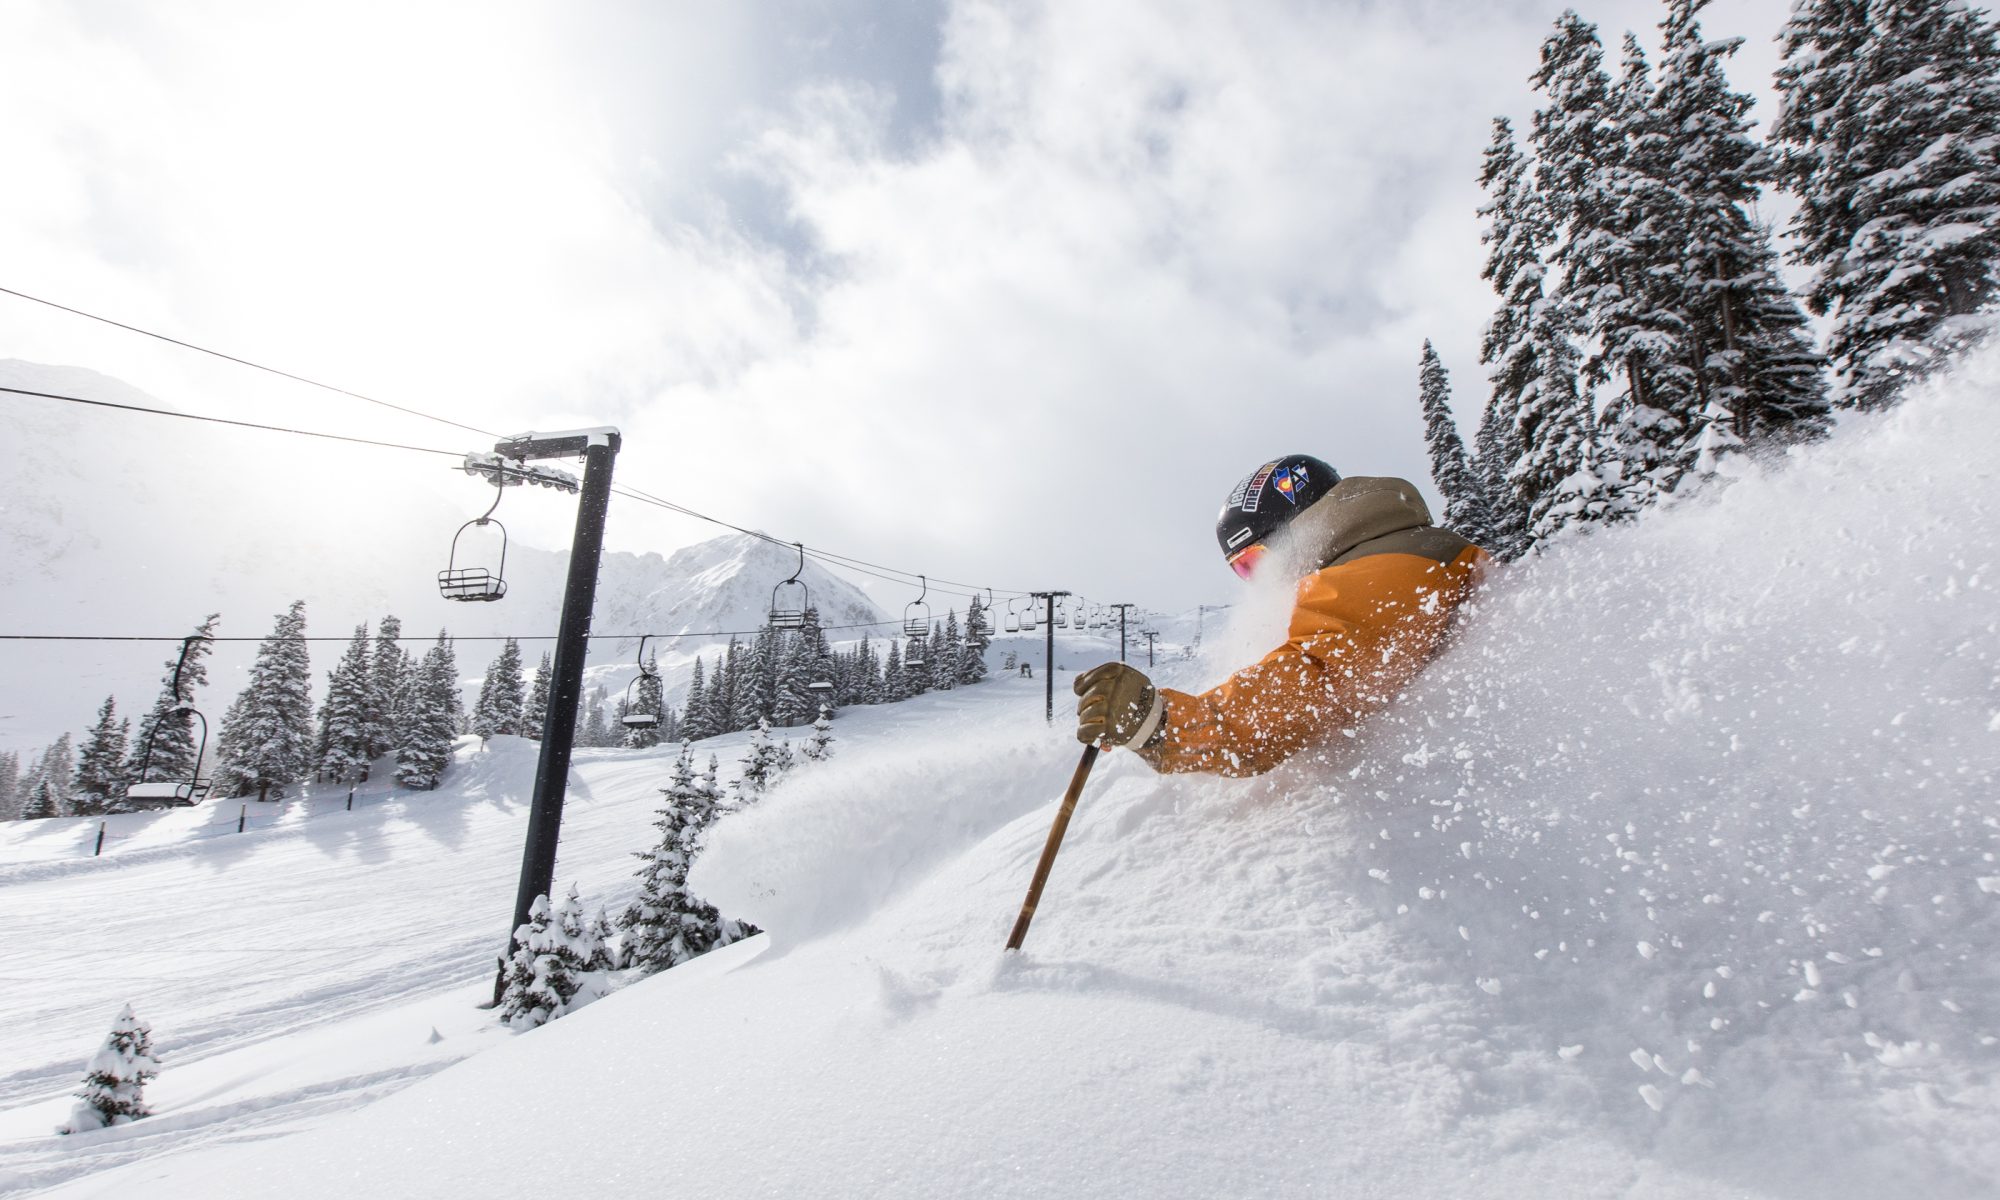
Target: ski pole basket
{"points": [[791, 598]]}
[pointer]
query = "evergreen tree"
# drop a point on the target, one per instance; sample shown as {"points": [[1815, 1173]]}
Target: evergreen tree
{"points": [[270, 742], [695, 712], [42, 800], [756, 687], [723, 688], [1748, 340], [1601, 151], [946, 648], [978, 636], [666, 926], [819, 747], [498, 712], [1889, 135], [1465, 508], [556, 967], [592, 728], [894, 686], [761, 766], [917, 665], [387, 684], [168, 729], [345, 716], [427, 723], [99, 783], [115, 1081], [535, 711], [1532, 433], [10, 785]]}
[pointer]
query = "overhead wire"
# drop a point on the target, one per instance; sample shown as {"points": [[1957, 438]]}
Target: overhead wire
{"points": [[847, 562]]}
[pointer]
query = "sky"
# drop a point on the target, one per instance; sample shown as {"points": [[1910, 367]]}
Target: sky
{"points": [[1006, 293]]}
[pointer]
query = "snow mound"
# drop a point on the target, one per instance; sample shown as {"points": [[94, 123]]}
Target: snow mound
{"points": [[1672, 878]]}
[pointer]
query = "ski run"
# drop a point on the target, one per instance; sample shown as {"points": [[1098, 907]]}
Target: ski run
{"points": [[1676, 876]]}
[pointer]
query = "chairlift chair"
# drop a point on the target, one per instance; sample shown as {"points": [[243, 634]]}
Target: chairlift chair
{"points": [[917, 614], [1013, 619], [160, 793], [476, 583], [1028, 618], [633, 718], [820, 685], [791, 598]]}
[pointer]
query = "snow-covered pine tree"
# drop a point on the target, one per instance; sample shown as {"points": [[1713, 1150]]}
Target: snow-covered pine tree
{"points": [[791, 694], [498, 711], [1466, 510], [42, 802], [695, 711], [917, 665], [10, 785], [1716, 439], [1748, 339], [946, 648], [1601, 150], [552, 971], [172, 732], [535, 710], [427, 723], [99, 783], [1889, 135], [710, 782], [593, 727], [894, 685], [761, 768], [666, 926], [344, 716], [1586, 497], [819, 747], [723, 688], [756, 690], [978, 636], [386, 688], [115, 1081], [1532, 433], [269, 744]]}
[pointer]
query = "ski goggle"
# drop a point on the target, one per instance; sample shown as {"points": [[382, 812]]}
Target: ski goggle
{"points": [[1244, 562]]}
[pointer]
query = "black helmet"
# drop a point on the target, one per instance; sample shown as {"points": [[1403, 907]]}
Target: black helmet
{"points": [[1265, 501]]}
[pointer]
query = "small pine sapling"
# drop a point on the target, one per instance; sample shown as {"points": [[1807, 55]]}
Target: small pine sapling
{"points": [[819, 747], [114, 1082]]}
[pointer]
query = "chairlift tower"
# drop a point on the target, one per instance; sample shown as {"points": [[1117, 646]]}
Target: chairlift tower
{"points": [[599, 449], [1049, 649], [1123, 609]]}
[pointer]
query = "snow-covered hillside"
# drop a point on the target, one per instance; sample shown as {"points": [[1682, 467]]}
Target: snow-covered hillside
{"points": [[1676, 877], [134, 525]]}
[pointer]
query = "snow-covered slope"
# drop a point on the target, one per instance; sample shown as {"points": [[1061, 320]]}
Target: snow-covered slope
{"points": [[1675, 877], [138, 525]]}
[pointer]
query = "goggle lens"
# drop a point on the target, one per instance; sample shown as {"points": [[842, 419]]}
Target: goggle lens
{"points": [[1244, 562]]}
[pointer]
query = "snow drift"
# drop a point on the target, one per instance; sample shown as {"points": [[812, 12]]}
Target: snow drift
{"points": [[1674, 877]]}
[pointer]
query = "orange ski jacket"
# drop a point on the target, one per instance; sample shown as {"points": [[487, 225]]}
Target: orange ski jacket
{"points": [[1364, 624]]}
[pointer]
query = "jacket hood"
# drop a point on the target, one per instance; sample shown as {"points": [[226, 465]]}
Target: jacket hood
{"points": [[1359, 509]]}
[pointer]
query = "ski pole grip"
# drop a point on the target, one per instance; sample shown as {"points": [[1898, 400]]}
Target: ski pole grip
{"points": [[1042, 868]]}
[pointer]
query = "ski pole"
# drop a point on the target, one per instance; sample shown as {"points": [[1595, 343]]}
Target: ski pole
{"points": [[1042, 868]]}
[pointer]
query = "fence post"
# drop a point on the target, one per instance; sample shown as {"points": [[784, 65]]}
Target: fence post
{"points": [[350, 799], [100, 840], [240, 817]]}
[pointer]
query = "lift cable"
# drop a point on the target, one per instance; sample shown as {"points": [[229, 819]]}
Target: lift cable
{"points": [[526, 637], [893, 574], [244, 362]]}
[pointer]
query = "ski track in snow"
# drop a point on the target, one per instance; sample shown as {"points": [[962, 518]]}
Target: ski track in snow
{"points": [[1673, 878]]}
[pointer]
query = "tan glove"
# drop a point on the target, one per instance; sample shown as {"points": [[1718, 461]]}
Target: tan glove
{"points": [[1116, 706]]}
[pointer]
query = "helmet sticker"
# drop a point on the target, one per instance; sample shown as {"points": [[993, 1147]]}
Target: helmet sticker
{"points": [[1291, 482], [1253, 488]]}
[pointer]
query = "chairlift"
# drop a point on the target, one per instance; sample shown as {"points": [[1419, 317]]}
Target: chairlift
{"points": [[157, 793], [1013, 619], [476, 583], [633, 718], [820, 685], [1028, 619], [788, 607], [917, 614]]}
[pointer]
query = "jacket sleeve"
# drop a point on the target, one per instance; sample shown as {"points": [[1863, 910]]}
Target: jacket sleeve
{"points": [[1359, 634]]}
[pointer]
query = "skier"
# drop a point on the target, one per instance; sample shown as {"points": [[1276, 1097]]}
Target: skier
{"points": [[1378, 586]]}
